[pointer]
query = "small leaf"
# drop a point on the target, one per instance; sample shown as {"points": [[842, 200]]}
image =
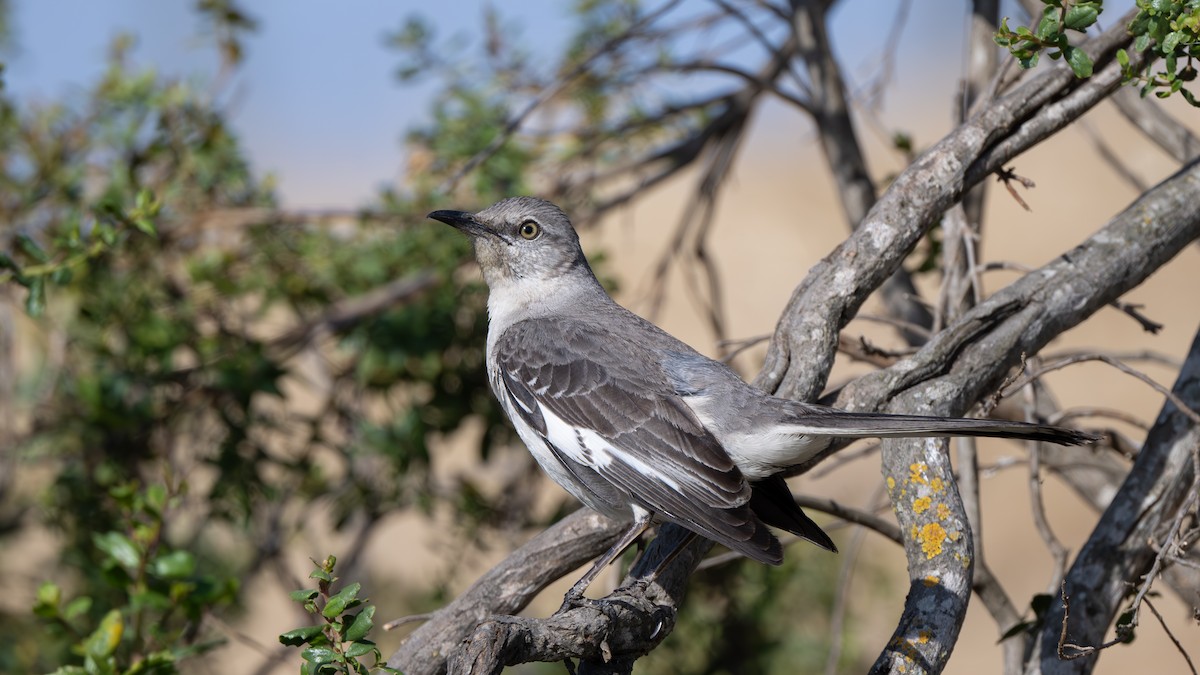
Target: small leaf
{"points": [[156, 498], [146, 226], [1123, 58], [35, 303], [46, 603], [361, 649], [362, 624], [1141, 43], [1080, 17], [106, 233], [77, 607], [174, 565], [1172, 41], [119, 548], [1048, 27], [300, 636], [32, 248], [319, 655], [304, 594], [321, 575], [62, 276], [338, 603], [1079, 61], [107, 637]]}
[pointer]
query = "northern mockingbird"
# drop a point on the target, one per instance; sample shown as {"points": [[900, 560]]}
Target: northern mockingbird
{"points": [[636, 424]]}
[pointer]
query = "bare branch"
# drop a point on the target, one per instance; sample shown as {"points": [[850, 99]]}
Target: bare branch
{"points": [[843, 153], [1158, 489], [801, 353]]}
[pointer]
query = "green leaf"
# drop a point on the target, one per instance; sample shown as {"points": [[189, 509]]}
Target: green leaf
{"points": [[361, 649], [1172, 41], [35, 303], [32, 248], [106, 233], [145, 225], [46, 602], [1047, 28], [1123, 58], [319, 655], [156, 498], [304, 594], [320, 575], [174, 565], [362, 624], [1141, 43], [338, 603], [1079, 61], [106, 638], [300, 636], [77, 607], [1079, 17], [118, 547]]}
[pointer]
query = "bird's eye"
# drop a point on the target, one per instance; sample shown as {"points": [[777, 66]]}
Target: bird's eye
{"points": [[530, 230]]}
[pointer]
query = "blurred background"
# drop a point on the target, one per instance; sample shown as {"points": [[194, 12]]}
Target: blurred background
{"points": [[231, 343]]}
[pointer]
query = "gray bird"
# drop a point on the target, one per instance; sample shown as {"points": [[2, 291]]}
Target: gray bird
{"points": [[636, 424]]}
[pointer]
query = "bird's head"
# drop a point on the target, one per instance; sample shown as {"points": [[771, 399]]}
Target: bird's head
{"points": [[520, 238]]}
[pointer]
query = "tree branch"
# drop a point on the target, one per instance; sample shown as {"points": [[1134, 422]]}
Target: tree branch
{"points": [[801, 353], [1025, 316], [507, 588], [1116, 555]]}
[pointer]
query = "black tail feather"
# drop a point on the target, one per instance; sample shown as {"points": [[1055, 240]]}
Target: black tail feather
{"points": [[772, 502]]}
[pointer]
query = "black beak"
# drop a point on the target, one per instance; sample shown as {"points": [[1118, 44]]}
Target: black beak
{"points": [[462, 221]]}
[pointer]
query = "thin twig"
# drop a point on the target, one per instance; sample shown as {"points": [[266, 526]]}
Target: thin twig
{"points": [[1082, 358], [1162, 622], [1057, 550]]}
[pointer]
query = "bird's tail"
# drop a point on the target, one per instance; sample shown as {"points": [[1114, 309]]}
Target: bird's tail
{"points": [[811, 420], [772, 502]]}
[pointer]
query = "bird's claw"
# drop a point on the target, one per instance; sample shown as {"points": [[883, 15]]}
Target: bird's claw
{"points": [[574, 598]]}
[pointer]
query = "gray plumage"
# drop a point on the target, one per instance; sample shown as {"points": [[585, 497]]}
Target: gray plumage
{"points": [[636, 424]]}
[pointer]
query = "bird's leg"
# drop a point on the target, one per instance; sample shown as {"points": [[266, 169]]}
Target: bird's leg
{"points": [[574, 597], [645, 581]]}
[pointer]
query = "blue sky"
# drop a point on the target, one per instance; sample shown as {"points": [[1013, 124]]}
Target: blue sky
{"points": [[316, 103]]}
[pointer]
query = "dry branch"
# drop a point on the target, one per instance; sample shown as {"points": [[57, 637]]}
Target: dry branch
{"points": [[1117, 554]]}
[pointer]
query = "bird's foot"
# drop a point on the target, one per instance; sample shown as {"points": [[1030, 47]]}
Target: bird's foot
{"points": [[575, 598]]}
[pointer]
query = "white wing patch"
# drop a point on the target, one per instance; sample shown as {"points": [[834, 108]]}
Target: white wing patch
{"points": [[590, 449]]}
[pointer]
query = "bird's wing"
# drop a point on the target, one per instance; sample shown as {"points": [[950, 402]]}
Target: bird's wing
{"points": [[603, 405]]}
